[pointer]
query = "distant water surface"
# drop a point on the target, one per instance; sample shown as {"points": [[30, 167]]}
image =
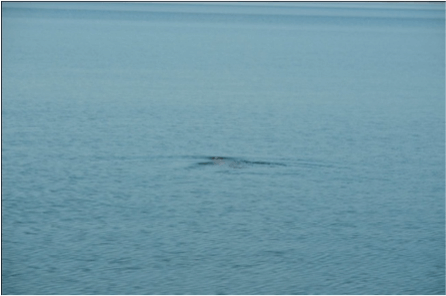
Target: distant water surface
{"points": [[223, 148]]}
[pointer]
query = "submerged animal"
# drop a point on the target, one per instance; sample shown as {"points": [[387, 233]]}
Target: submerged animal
{"points": [[235, 162], [218, 160]]}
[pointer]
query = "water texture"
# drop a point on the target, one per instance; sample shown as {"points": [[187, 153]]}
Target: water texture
{"points": [[223, 148]]}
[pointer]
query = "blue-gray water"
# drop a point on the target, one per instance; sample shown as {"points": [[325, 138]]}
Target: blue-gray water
{"points": [[224, 148]]}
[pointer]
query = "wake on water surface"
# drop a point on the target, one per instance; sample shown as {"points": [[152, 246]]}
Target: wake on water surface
{"points": [[236, 162], [292, 165]]}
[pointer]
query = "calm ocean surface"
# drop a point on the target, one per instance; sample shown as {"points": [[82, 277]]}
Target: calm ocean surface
{"points": [[223, 148]]}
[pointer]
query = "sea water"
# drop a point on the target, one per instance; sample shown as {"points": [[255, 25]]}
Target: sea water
{"points": [[223, 148]]}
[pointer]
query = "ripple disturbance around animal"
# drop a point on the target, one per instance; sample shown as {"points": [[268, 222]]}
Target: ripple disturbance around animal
{"points": [[237, 163]]}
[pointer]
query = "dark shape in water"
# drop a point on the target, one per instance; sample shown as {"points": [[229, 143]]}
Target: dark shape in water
{"points": [[235, 162]]}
